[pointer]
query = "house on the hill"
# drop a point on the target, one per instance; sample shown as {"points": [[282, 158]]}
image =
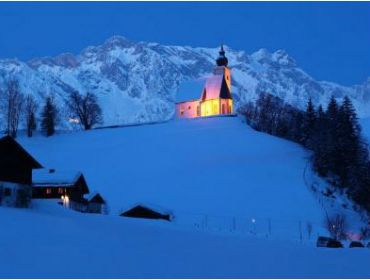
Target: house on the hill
{"points": [[146, 212], [16, 166], [96, 204], [215, 94], [70, 186]]}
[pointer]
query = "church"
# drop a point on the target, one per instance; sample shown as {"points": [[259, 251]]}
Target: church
{"points": [[215, 93]]}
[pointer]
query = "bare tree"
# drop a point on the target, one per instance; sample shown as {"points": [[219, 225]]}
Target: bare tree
{"points": [[11, 106], [30, 108], [85, 108], [337, 226]]}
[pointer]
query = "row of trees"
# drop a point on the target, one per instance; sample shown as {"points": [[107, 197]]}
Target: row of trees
{"points": [[340, 153], [15, 107]]}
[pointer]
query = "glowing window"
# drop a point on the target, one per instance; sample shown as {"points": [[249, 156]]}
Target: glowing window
{"points": [[60, 190], [48, 191]]}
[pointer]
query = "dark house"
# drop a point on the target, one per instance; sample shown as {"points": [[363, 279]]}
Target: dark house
{"points": [[70, 186], [16, 163], [96, 204], [16, 166], [145, 212]]}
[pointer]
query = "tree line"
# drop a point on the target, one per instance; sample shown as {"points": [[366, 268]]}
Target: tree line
{"points": [[339, 152], [16, 107]]}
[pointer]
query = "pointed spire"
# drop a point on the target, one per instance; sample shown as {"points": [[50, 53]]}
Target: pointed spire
{"points": [[222, 59]]}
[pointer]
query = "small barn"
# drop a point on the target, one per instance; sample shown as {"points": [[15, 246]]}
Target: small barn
{"points": [[70, 186], [96, 204], [147, 212], [16, 166]]}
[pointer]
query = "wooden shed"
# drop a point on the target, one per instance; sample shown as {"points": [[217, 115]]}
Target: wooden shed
{"points": [[146, 212]]}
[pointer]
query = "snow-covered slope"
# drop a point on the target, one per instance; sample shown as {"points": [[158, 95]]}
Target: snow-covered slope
{"points": [[214, 173], [239, 197], [137, 81]]}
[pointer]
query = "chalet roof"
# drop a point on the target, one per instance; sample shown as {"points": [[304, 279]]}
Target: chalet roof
{"points": [[54, 178], [13, 153], [95, 197], [190, 90], [149, 206]]}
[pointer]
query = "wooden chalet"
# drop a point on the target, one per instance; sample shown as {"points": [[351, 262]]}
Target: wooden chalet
{"points": [[66, 185], [96, 204], [16, 166]]}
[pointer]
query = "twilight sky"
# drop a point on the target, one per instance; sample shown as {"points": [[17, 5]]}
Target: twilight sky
{"points": [[329, 40]]}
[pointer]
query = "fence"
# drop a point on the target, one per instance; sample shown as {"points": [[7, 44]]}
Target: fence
{"points": [[298, 230]]}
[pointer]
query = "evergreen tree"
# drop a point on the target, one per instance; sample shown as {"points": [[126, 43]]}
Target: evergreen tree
{"points": [[49, 117], [308, 128], [320, 143]]}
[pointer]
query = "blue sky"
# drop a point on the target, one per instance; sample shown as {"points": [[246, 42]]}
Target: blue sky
{"points": [[329, 40]]}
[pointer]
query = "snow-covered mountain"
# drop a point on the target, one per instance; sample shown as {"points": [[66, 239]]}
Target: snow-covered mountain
{"points": [[137, 81]]}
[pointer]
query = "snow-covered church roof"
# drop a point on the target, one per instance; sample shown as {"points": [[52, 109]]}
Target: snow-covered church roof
{"points": [[190, 90], [50, 177]]}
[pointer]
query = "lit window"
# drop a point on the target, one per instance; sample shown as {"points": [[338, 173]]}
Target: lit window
{"points": [[48, 191], [60, 190]]}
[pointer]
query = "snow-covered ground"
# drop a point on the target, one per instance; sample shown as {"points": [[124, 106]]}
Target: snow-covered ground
{"points": [[49, 241], [214, 166], [240, 200]]}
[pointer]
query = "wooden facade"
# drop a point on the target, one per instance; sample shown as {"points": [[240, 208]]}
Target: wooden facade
{"points": [[16, 166], [16, 163], [75, 188], [144, 212]]}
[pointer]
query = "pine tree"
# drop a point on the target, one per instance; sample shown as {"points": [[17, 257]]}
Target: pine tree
{"points": [[308, 128], [348, 142], [320, 143], [49, 117]]}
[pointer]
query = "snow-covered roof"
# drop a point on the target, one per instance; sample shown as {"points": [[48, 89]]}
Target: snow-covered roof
{"points": [[213, 86], [190, 90], [92, 195], [65, 178], [154, 207]]}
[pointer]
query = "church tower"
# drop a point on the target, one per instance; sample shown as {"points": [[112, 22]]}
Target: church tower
{"points": [[216, 98]]}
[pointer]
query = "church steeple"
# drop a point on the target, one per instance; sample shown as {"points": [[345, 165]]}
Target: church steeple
{"points": [[222, 59]]}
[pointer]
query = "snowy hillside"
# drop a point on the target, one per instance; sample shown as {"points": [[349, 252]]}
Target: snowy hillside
{"points": [[216, 171], [240, 200], [137, 81]]}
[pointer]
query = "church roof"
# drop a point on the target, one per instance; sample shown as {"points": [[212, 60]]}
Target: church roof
{"points": [[190, 90], [216, 87]]}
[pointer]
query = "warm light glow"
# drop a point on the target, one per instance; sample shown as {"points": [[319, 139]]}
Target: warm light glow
{"points": [[74, 120], [65, 200], [210, 103]]}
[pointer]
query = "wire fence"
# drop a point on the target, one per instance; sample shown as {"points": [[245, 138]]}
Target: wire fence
{"points": [[298, 230]]}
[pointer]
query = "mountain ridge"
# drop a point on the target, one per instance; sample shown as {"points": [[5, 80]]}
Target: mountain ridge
{"points": [[137, 81]]}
